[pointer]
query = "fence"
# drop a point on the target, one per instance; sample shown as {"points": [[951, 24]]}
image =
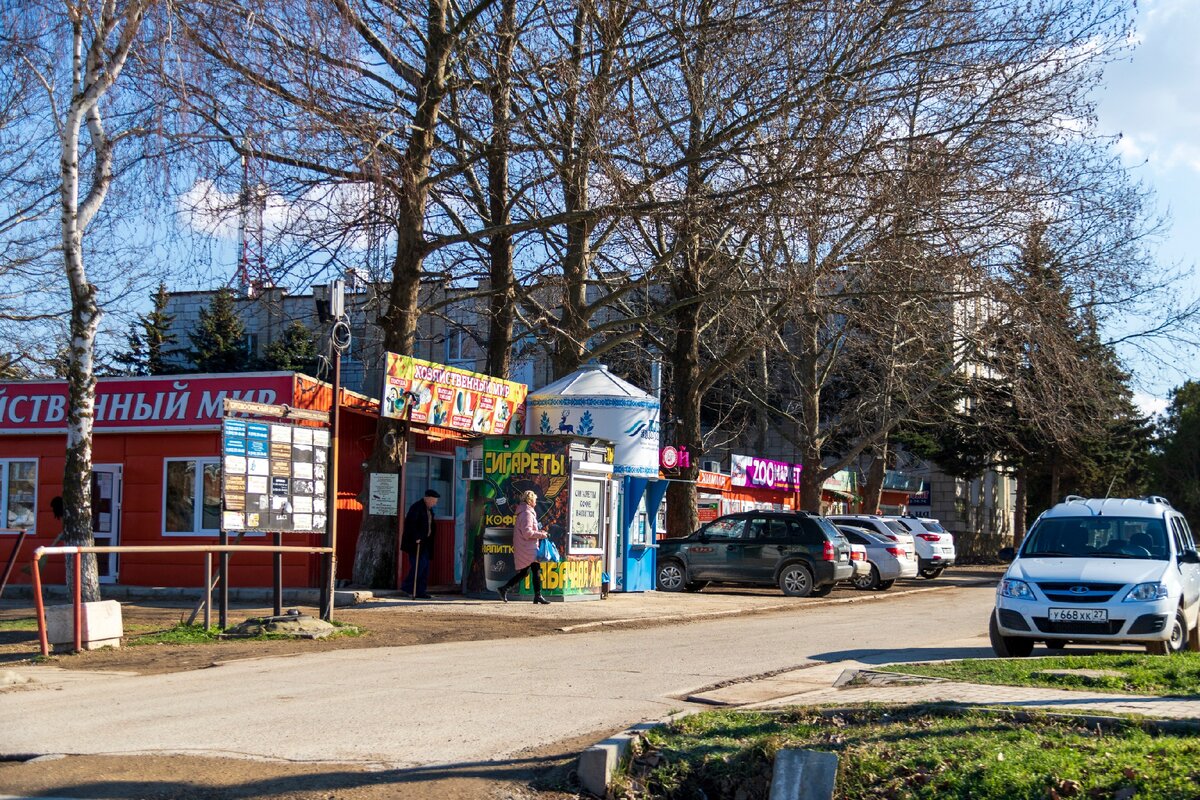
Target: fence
{"points": [[208, 550]]}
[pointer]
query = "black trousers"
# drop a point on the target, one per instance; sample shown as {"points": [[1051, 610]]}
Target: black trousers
{"points": [[536, 577]]}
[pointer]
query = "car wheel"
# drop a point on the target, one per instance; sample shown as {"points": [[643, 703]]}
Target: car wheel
{"points": [[795, 580], [1008, 646], [695, 586], [822, 591], [1178, 640], [867, 582], [1056, 644], [932, 572], [883, 586], [671, 576]]}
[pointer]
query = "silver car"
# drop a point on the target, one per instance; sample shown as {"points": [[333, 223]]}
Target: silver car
{"points": [[889, 560]]}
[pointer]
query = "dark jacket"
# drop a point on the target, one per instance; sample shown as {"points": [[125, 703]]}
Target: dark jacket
{"points": [[418, 527]]}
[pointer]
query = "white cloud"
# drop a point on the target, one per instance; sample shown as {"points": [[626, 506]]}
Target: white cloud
{"points": [[1149, 404]]}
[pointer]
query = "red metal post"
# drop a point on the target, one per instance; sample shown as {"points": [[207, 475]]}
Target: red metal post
{"points": [[78, 601], [41, 608], [12, 559]]}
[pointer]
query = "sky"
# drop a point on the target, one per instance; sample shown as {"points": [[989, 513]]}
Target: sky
{"points": [[1153, 101]]}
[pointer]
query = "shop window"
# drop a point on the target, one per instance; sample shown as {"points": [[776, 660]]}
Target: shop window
{"points": [[192, 497], [430, 472], [18, 494]]}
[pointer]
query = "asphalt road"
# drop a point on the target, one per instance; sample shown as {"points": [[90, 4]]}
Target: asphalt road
{"points": [[467, 702]]}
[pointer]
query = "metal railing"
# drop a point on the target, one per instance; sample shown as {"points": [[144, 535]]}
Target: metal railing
{"points": [[77, 594]]}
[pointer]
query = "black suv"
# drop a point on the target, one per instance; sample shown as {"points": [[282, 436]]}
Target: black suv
{"points": [[801, 553]]}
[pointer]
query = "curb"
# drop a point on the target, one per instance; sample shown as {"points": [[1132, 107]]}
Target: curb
{"points": [[866, 598]]}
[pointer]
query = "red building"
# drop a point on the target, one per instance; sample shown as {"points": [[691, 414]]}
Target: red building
{"points": [[157, 474]]}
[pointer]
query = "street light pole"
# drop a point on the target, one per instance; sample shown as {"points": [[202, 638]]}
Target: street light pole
{"points": [[339, 339]]}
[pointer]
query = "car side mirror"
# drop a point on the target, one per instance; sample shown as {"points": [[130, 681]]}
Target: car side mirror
{"points": [[1007, 554], [1189, 557]]}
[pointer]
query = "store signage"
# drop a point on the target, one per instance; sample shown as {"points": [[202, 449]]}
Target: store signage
{"points": [[448, 397], [273, 476], [763, 473], [921, 498], [169, 402], [587, 498], [671, 457], [712, 480]]}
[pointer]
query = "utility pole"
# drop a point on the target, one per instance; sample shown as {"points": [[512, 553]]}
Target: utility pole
{"points": [[331, 307]]}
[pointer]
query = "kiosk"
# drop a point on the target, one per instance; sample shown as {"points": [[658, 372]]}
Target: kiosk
{"points": [[594, 402], [572, 478]]}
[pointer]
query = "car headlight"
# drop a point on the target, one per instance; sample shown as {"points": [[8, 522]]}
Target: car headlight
{"points": [[1146, 591], [1011, 587]]}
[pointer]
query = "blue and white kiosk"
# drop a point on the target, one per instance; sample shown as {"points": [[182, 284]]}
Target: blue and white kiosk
{"points": [[594, 402]]}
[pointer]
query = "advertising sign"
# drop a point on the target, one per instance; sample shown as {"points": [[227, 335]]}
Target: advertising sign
{"points": [[448, 397], [510, 468], [587, 499], [763, 473], [920, 498], [273, 476], [161, 403]]}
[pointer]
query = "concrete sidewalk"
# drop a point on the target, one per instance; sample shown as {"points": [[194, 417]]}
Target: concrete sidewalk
{"points": [[851, 682]]}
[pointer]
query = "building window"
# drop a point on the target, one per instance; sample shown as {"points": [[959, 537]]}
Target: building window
{"points": [[431, 472], [192, 497], [18, 494]]}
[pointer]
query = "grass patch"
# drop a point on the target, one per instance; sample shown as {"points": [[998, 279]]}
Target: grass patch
{"points": [[178, 634], [1178, 675], [22, 624], [913, 752]]}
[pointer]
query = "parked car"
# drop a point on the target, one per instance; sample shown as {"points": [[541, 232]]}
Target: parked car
{"points": [[888, 560], [882, 526], [801, 553], [1101, 571], [935, 544], [858, 560]]}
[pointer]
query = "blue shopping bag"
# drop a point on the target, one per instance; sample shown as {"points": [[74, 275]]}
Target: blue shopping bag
{"points": [[547, 551]]}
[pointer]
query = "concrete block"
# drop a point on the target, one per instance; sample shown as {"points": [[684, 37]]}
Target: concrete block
{"points": [[100, 621], [804, 775], [598, 762]]}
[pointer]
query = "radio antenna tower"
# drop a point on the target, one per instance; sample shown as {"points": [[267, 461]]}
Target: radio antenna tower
{"points": [[252, 275]]}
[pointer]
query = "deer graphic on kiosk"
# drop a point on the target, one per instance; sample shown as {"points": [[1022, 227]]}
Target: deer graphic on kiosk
{"points": [[563, 427]]}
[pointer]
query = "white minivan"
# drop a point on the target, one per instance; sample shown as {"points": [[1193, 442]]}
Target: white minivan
{"points": [[1106, 571]]}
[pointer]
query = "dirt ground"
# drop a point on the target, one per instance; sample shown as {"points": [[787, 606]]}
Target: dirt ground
{"points": [[545, 774]]}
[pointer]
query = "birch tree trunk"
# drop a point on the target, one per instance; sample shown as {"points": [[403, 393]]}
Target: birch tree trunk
{"points": [[94, 72]]}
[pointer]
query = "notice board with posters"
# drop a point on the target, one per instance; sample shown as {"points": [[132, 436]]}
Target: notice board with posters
{"points": [[273, 476]]}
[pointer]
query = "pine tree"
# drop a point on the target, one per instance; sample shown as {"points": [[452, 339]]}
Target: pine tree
{"points": [[150, 339], [219, 343], [296, 350]]}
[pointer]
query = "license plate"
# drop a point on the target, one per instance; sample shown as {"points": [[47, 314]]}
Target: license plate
{"points": [[1079, 615]]}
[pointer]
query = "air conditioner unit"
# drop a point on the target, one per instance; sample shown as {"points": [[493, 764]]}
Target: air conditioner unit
{"points": [[472, 470], [710, 466]]}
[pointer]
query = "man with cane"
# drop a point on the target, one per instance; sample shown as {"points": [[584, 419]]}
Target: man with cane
{"points": [[417, 543]]}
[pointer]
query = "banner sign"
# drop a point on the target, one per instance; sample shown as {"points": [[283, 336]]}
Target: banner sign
{"points": [[673, 458], [512, 467], [921, 498], [273, 476], [453, 398], [763, 473], [712, 480], [161, 403]]}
